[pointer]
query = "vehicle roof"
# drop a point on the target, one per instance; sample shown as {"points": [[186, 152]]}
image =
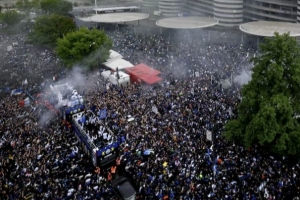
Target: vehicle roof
{"points": [[124, 187]]}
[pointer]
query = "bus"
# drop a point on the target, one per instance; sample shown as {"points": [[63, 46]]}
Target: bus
{"points": [[96, 139]]}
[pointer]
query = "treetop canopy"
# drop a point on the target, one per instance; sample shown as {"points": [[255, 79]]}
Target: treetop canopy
{"points": [[269, 110], [84, 46]]}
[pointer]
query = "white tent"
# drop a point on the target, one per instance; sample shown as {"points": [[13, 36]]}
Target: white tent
{"points": [[114, 55], [112, 78], [118, 63]]}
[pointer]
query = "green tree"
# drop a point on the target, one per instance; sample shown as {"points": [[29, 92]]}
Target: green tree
{"points": [[60, 7], [48, 28], [26, 5], [268, 114], [85, 47], [11, 17]]}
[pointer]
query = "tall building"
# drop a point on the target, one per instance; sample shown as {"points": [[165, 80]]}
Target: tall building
{"points": [[170, 8], [150, 3], [234, 12], [298, 12], [228, 12], [270, 10]]}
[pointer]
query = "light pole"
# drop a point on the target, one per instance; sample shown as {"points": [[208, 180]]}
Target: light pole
{"points": [[96, 7]]}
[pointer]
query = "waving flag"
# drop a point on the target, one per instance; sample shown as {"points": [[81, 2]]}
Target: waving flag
{"points": [[148, 152], [83, 119], [102, 114], [16, 92]]}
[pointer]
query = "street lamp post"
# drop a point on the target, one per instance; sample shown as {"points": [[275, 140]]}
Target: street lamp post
{"points": [[96, 7]]}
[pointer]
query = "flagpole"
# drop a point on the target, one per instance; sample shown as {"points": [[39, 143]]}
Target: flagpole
{"points": [[213, 152]]}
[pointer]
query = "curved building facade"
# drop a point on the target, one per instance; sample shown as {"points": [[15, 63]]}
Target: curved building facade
{"points": [[170, 8], [298, 12], [271, 10], [200, 7], [233, 12], [150, 3], [228, 12]]}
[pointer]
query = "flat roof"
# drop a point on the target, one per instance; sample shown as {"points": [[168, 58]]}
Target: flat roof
{"points": [[116, 8], [116, 17], [268, 28], [186, 22], [117, 63], [150, 79], [143, 68]]}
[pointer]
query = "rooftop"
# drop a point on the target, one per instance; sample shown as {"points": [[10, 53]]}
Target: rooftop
{"points": [[268, 28], [186, 22], [116, 17]]}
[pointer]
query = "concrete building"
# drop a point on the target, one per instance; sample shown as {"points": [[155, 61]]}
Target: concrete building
{"points": [[228, 12], [170, 8], [235, 12], [270, 10], [150, 3]]}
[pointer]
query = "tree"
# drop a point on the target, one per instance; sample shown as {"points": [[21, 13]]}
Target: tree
{"points": [[11, 17], [268, 115], [84, 47], [23, 5], [48, 28], [6, 6], [27, 5], [60, 7]]}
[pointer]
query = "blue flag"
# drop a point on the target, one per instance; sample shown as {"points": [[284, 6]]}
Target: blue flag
{"points": [[102, 114], [148, 152], [16, 92], [83, 119]]}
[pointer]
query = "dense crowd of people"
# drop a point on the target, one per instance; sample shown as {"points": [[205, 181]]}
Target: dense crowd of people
{"points": [[41, 159], [21, 60]]}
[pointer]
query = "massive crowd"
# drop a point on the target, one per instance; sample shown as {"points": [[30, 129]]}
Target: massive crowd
{"points": [[20, 60], [44, 161]]}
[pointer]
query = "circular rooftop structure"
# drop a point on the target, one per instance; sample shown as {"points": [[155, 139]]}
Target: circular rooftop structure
{"points": [[268, 28], [186, 22], [116, 17]]}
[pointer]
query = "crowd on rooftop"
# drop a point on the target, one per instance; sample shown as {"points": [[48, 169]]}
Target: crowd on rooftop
{"points": [[44, 160]]}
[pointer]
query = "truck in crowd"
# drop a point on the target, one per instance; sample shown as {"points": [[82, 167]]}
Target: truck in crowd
{"points": [[96, 139]]}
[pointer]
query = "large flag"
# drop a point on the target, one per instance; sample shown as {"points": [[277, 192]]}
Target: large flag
{"points": [[83, 119], [208, 135], [102, 114], [25, 82], [154, 109], [27, 102], [16, 92], [148, 152]]}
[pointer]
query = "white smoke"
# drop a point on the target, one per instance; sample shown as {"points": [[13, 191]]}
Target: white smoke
{"points": [[243, 78], [81, 80], [45, 118], [76, 79]]}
